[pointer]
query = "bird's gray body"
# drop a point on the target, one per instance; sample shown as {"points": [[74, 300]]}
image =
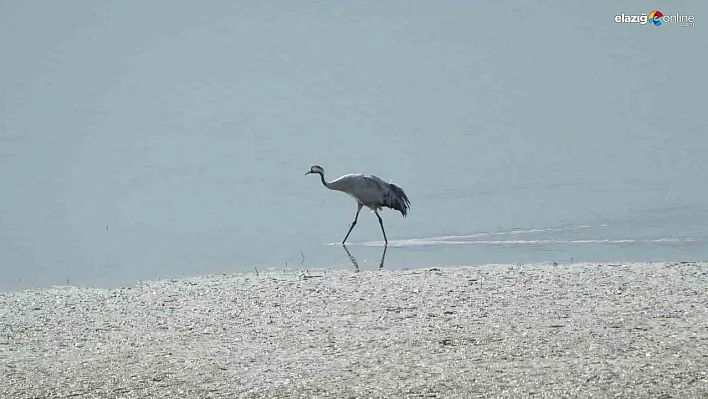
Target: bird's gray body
{"points": [[369, 191], [372, 192]]}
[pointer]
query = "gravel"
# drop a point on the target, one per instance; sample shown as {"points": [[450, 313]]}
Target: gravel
{"points": [[577, 330]]}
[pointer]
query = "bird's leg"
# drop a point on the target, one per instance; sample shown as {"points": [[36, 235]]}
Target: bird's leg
{"points": [[382, 228], [359, 206]]}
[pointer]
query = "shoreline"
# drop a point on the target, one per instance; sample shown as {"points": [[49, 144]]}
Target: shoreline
{"points": [[582, 330]]}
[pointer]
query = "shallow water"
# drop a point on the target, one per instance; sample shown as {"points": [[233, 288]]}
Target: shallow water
{"points": [[179, 146]]}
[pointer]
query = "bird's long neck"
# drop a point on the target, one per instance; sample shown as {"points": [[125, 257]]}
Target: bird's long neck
{"points": [[324, 182]]}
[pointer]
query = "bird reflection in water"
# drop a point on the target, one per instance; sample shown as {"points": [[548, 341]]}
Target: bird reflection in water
{"points": [[356, 264]]}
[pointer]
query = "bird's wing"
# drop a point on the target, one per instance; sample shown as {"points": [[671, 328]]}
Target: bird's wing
{"points": [[390, 195]]}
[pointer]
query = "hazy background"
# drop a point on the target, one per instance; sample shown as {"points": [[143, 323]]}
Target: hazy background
{"points": [[144, 140]]}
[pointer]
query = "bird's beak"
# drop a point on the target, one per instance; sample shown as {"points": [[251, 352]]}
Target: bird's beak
{"points": [[308, 173]]}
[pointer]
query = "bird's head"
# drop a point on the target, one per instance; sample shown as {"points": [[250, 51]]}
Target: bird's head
{"points": [[315, 169]]}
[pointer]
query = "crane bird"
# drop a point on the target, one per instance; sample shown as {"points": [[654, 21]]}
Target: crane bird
{"points": [[369, 191]]}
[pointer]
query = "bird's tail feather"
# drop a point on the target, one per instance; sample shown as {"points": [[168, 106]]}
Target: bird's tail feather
{"points": [[397, 199]]}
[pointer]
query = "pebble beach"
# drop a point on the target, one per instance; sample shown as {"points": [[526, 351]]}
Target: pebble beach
{"points": [[635, 330]]}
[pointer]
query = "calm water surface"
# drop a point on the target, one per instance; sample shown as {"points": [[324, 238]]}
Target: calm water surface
{"points": [[140, 144]]}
